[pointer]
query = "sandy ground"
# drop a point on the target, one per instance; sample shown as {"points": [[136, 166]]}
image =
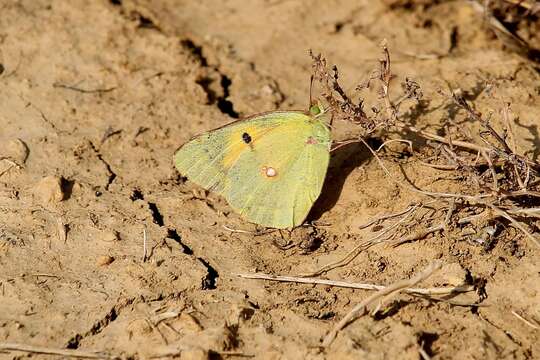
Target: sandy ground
{"points": [[95, 97]]}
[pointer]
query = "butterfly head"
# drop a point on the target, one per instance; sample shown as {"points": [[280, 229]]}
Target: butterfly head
{"points": [[317, 109], [318, 112]]}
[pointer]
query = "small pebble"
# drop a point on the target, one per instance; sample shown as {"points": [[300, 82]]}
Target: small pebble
{"points": [[17, 151], [452, 274], [104, 260], [49, 190], [110, 236]]}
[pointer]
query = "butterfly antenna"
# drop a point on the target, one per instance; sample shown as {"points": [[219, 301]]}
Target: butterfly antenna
{"points": [[310, 92]]}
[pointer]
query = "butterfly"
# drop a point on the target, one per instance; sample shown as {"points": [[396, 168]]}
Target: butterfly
{"points": [[270, 167]]}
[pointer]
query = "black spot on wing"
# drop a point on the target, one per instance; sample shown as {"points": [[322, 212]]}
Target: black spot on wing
{"points": [[246, 138]]}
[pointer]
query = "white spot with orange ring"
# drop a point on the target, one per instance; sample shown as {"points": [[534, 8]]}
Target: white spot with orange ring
{"points": [[269, 171]]}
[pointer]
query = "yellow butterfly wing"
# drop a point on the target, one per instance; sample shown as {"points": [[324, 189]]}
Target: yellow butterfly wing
{"points": [[270, 168]]}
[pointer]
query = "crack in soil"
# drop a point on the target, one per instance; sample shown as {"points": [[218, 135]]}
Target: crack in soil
{"points": [[156, 215], [209, 282], [143, 17], [173, 234], [224, 105], [195, 50], [75, 341], [98, 326], [145, 21], [112, 174]]}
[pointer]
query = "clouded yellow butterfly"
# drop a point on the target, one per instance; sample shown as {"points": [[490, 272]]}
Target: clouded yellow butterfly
{"points": [[270, 167]]}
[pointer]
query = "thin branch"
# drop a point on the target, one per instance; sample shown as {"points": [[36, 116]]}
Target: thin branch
{"points": [[492, 169], [84, 91]]}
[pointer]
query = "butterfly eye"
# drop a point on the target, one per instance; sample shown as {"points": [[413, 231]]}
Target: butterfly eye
{"points": [[315, 110], [246, 138]]}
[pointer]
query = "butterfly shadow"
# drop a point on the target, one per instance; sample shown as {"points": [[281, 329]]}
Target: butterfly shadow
{"points": [[342, 162]]}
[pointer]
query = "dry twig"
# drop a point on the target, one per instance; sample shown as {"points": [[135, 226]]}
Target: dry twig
{"points": [[145, 239], [527, 322], [435, 291], [519, 172], [382, 218], [51, 351]]}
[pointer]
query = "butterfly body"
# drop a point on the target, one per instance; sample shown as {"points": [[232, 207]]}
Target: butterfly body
{"points": [[270, 167]]}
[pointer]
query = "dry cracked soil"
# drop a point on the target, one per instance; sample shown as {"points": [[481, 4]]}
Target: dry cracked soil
{"points": [[96, 96]]}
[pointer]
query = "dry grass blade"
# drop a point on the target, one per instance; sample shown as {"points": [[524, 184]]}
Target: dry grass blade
{"points": [[430, 136], [51, 351], [350, 256], [435, 291], [386, 217], [361, 308], [527, 322], [11, 164], [417, 235], [145, 240]]}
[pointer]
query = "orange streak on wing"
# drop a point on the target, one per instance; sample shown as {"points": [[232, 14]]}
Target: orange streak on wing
{"points": [[236, 144]]}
